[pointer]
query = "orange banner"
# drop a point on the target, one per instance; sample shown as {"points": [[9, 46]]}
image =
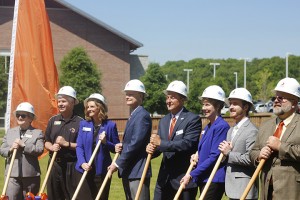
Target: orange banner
{"points": [[34, 74]]}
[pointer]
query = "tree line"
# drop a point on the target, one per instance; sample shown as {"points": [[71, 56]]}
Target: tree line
{"points": [[78, 70], [262, 75]]}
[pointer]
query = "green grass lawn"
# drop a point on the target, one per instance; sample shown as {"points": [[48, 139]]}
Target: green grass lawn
{"points": [[2, 132], [116, 189]]}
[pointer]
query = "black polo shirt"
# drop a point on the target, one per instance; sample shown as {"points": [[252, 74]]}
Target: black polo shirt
{"points": [[57, 126]]}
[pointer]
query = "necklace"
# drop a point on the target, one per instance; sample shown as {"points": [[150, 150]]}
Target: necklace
{"points": [[96, 129]]}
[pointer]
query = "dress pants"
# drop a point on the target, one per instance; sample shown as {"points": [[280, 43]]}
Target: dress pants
{"points": [[19, 186], [214, 192], [131, 186], [167, 192], [61, 184], [91, 186]]}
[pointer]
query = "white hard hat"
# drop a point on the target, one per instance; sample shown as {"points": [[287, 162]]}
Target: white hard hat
{"points": [[26, 107], [99, 97], [135, 85], [69, 91], [289, 85], [214, 92], [241, 93], [178, 87]]}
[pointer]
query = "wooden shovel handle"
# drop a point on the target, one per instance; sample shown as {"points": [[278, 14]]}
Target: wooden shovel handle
{"points": [[138, 193], [213, 173], [48, 173], [181, 185], [107, 177], [85, 172], [9, 172], [253, 178]]}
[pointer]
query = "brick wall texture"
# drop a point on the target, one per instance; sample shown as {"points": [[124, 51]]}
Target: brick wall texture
{"points": [[108, 50]]}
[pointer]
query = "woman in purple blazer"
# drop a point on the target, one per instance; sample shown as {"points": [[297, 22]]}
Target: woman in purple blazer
{"points": [[213, 99], [90, 132]]}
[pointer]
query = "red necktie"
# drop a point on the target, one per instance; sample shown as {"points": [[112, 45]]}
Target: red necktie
{"points": [[279, 130], [173, 122]]}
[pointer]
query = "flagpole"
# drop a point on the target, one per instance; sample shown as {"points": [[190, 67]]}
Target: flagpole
{"points": [[11, 66]]}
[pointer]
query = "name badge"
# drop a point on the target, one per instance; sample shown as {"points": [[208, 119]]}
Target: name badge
{"points": [[28, 136], [57, 122], [87, 129], [179, 132]]}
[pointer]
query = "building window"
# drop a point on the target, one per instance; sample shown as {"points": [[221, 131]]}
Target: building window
{"points": [[5, 60]]}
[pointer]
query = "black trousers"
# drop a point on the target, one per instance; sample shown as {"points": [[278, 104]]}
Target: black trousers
{"points": [[167, 192], [91, 186], [214, 192], [61, 184]]}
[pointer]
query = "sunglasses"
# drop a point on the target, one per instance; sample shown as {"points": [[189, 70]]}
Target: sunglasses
{"points": [[23, 116], [280, 98]]}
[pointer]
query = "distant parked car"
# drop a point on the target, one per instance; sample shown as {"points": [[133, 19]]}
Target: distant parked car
{"points": [[224, 110], [261, 107], [269, 106]]}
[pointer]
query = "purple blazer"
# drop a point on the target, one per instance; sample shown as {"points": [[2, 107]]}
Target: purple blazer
{"points": [[208, 152], [85, 144]]}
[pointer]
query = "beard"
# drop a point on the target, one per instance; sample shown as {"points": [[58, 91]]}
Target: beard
{"points": [[281, 110]]}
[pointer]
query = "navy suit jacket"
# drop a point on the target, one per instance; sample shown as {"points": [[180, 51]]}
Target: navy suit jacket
{"points": [[84, 147], [208, 152], [178, 150], [137, 134]]}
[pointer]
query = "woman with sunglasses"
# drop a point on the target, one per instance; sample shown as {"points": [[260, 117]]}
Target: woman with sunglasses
{"points": [[29, 143], [90, 133]]}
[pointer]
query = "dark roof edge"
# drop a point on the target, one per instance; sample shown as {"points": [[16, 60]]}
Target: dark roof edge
{"points": [[101, 23]]}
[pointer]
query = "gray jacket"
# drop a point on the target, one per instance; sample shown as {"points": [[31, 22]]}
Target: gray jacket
{"points": [[239, 168], [26, 163]]}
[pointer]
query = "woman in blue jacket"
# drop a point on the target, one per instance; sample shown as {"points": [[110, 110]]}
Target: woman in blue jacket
{"points": [[213, 99], [90, 132]]}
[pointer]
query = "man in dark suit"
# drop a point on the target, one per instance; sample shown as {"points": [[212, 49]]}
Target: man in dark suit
{"points": [[177, 139], [133, 157], [280, 174]]}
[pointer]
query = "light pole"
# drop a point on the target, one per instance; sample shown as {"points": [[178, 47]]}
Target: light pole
{"points": [[245, 66], [287, 64], [188, 78], [214, 64], [235, 73]]}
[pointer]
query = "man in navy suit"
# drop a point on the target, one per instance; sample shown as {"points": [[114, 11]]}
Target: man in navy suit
{"points": [[133, 157], [177, 139]]}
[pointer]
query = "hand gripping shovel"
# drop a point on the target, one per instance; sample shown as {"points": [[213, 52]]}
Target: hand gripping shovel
{"points": [[85, 172]]}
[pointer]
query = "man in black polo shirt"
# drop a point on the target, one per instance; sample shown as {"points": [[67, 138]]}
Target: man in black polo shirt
{"points": [[61, 135]]}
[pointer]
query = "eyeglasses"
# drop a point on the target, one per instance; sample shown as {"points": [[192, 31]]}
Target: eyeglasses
{"points": [[280, 98], [23, 116]]}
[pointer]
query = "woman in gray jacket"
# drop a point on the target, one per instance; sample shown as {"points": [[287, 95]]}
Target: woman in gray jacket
{"points": [[29, 144]]}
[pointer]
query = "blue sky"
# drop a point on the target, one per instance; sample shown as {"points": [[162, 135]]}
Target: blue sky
{"points": [[172, 30]]}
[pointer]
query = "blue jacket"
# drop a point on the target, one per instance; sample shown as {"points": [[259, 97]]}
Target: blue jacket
{"points": [[85, 144], [133, 157], [208, 152]]}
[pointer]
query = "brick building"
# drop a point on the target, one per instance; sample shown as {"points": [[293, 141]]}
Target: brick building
{"points": [[108, 47]]}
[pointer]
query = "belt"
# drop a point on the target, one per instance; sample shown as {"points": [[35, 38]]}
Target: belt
{"points": [[64, 160]]}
